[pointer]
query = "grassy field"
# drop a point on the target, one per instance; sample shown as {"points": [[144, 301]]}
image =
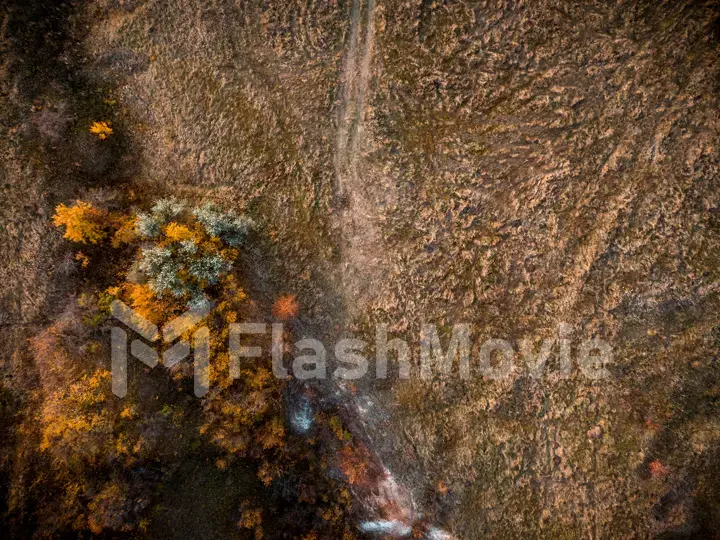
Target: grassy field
{"points": [[515, 166]]}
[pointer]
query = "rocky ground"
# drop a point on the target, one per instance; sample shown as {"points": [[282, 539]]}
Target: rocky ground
{"points": [[517, 166]]}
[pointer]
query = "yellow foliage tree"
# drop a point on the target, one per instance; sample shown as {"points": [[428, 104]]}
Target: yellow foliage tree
{"points": [[126, 231], [146, 304], [101, 129], [83, 222], [176, 232], [252, 519]]}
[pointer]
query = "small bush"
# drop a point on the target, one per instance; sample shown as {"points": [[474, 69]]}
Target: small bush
{"points": [[101, 129], [227, 226], [286, 307]]}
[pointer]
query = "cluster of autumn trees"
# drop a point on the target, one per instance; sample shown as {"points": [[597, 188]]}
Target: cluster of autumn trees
{"points": [[107, 459], [182, 256]]}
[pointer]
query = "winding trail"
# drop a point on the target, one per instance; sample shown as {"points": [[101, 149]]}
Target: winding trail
{"points": [[363, 194]]}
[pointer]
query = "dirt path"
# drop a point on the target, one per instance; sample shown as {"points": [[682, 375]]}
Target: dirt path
{"points": [[358, 216], [360, 193], [355, 77], [365, 195]]}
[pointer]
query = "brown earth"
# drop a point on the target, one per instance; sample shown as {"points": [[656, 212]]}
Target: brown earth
{"points": [[511, 165]]}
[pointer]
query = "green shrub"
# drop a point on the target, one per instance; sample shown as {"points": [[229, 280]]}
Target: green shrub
{"points": [[227, 226]]}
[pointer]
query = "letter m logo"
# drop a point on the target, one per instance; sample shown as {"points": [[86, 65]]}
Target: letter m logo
{"points": [[149, 356]]}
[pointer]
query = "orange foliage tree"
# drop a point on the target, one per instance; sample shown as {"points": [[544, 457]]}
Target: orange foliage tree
{"points": [[286, 307], [354, 462]]}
